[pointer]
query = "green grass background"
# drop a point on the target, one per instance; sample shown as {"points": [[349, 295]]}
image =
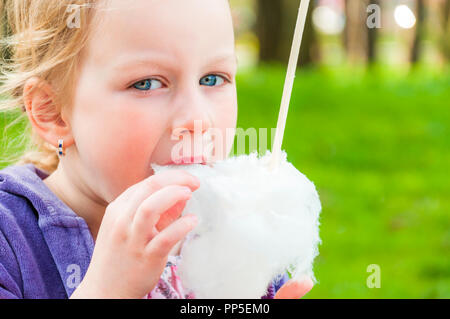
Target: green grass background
{"points": [[377, 146]]}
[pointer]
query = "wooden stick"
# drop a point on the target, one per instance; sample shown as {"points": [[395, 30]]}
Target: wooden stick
{"points": [[289, 83]]}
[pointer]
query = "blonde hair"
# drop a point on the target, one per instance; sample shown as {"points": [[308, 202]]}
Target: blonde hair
{"points": [[41, 44]]}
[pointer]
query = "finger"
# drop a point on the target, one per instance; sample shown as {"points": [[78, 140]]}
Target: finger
{"points": [[149, 212], [162, 244], [136, 194], [294, 289]]}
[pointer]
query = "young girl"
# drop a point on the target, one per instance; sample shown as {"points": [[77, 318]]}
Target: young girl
{"points": [[109, 87]]}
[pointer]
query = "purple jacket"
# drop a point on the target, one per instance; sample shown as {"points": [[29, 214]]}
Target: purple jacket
{"points": [[45, 248]]}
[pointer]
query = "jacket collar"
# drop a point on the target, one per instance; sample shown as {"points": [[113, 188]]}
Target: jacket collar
{"points": [[66, 234]]}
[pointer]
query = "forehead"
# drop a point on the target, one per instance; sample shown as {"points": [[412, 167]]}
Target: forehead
{"points": [[178, 29]]}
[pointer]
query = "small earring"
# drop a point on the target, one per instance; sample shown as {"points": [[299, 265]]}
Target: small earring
{"points": [[60, 147]]}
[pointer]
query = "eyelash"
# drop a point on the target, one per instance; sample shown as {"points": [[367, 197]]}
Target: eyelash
{"points": [[148, 92]]}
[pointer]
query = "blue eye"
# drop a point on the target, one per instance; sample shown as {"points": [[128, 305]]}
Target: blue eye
{"points": [[212, 80], [147, 85]]}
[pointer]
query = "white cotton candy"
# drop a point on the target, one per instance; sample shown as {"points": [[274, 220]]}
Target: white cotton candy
{"points": [[254, 224]]}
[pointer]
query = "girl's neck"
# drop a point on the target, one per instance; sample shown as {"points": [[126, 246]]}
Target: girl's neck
{"points": [[83, 204]]}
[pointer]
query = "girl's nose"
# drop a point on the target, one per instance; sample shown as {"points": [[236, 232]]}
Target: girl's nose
{"points": [[193, 111], [195, 119], [195, 125], [192, 126]]}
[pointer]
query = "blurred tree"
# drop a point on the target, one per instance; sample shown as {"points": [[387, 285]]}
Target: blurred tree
{"points": [[360, 40], [445, 30], [309, 53], [372, 35], [355, 30], [419, 32], [268, 29], [275, 27]]}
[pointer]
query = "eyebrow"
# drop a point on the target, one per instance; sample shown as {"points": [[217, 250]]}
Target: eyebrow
{"points": [[164, 62], [224, 58]]}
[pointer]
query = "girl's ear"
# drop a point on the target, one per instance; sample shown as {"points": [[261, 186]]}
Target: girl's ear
{"points": [[44, 112]]}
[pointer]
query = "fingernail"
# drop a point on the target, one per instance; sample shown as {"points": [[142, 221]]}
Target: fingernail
{"points": [[186, 190]]}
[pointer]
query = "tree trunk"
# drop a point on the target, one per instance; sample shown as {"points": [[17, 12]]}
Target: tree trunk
{"points": [[309, 53], [419, 32], [268, 25], [372, 35], [445, 31], [275, 29], [355, 34]]}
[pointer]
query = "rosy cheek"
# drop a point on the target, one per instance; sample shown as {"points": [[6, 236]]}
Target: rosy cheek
{"points": [[132, 139], [116, 144], [227, 123]]}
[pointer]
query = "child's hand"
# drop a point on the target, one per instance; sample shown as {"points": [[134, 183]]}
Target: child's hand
{"points": [[294, 289], [138, 231]]}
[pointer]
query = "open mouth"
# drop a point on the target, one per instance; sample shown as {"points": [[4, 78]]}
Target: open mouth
{"points": [[188, 160]]}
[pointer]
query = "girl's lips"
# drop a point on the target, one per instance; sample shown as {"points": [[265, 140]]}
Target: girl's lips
{"points": [[189, 160]]}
